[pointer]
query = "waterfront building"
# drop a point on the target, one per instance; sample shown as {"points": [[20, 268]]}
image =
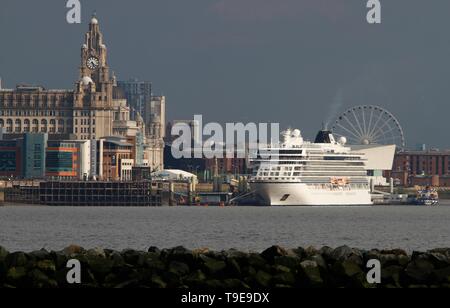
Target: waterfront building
{"points": [[11, 158], [86, 112], [96, 108], [379, 159], [429, 167], [114, 156], [148, 129], [68, 160], [24, 156], [34, 155]]}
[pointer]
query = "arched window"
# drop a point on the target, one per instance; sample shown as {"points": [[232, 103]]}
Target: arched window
{"points": [[26, 126], [35, 126], [43, 126], [18, 126], [2, 123], [9, 126], [52, 126]]}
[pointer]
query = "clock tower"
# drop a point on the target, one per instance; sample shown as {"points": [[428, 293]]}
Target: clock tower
{"points": [[93, 96]]}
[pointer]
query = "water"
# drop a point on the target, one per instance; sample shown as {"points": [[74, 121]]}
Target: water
{"points": [[29, 228]]}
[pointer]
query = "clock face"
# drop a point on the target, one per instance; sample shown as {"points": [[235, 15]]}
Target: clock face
{"points": [[92, 63]]}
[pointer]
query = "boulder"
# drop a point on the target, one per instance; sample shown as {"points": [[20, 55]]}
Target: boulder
{"points": [[157, 282], [443, 251], [284, 278], [256, 260], [100, 266], [326, 252], [213, 266], [3, 253], [280, 269], [263, 279], [389, 260], [179, 254], [320, 260], [393, 275], [344, 252], [133, 257], [350, 268], [233, 267], [16, 275], [311, 251], [292, 262], [41, 280], [116, 259], [96, 252], [310, 273], [154, 249], [16, 259], [299, 252], [42, 254], [59, 258], [73, 250], [274, 251], [420, 270], [47, 266], [395, 252], [236, 255], [441, 276], [178, 268], [438, 259], [195, 279]]}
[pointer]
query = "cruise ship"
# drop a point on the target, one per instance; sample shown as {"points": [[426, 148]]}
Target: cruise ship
{"points": [[297, 172]]}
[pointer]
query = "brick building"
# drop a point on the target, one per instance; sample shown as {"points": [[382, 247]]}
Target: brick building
{"points": [[422, 168]]}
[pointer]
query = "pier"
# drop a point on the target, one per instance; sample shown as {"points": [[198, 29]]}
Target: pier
{"points": [[85, 193]]}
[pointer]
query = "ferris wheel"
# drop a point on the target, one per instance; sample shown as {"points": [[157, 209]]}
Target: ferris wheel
{"points": [[369, 125]]}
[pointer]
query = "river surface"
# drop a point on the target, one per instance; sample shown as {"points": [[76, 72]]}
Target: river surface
{"points": [[29, 228]]}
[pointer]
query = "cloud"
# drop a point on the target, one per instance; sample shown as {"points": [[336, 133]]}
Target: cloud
{"points": [[268, 10]]}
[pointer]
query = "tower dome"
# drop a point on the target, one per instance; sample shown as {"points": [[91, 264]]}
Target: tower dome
{"points": [[86, 80], [94, 20]]}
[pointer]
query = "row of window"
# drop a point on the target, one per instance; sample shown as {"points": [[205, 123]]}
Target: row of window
{"points": [[85, 121], [85, 130], [35, 113], [34, 125]]}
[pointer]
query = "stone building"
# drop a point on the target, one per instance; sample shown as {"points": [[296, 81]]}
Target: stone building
{"points": [[83, 113]]}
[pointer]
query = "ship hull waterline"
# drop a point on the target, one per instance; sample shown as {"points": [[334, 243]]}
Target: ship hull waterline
{"points": [[299, 194]]}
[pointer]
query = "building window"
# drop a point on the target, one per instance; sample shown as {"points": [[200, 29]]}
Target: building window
{"points": [[26, 126], [9, 126], [52, 126], [18, 126], [35, 126], [44, 126]]}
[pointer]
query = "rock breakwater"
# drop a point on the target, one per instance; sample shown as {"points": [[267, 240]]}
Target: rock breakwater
{"points": [[231, 269]]}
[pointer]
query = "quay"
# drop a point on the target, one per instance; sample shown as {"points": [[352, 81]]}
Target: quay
{"points": [[84, 193]]}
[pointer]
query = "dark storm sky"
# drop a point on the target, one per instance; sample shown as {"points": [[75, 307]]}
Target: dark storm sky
{"points": [[284, 61]]}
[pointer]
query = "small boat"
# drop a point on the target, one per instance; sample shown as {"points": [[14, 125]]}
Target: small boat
{"points": [[428, 196]]}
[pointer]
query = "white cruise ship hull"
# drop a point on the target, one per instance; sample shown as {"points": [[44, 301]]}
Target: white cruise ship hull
{"points": [[299, 194]]}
